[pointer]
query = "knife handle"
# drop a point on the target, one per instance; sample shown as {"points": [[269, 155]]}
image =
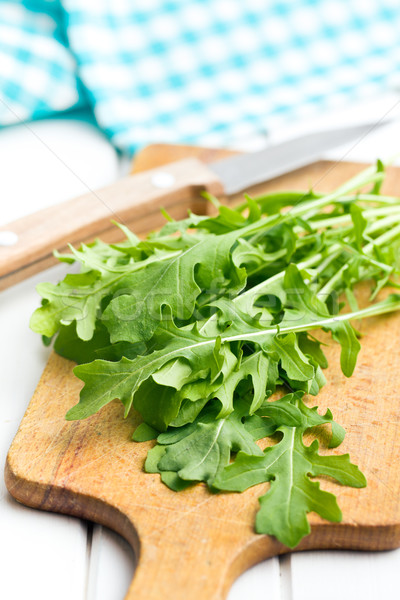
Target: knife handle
{"points": [[134, 201]]}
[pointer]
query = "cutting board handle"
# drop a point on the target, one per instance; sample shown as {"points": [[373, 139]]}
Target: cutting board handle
{"points": [[26, 245], [181, 576], [195, 556]]}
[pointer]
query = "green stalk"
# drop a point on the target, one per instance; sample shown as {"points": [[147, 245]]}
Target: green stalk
{"points": [[306, 209], [368, 214], [371, 311], [383, 239], [380, 241], [391, 304]]}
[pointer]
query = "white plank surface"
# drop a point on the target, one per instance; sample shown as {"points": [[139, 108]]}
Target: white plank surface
{"points": [[47, 162], [112, 565], [44, 556], [38, 551], [259, 582], [344, 575]]}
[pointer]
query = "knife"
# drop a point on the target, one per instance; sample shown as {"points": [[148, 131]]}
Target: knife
{"points": [[26, 245]]}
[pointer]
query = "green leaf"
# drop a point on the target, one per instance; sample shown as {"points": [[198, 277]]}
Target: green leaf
{"points": [[312, 347], [294, 362], [170, 478], [208, 357], [175, 283], [380, 168], [254, 257], [106, 380], [288, 466], [144, 433], [198, 451], [79, 297], [307, 307], [283, 411], [359, 223], [264, 374], [71, 346], [312, 419]]}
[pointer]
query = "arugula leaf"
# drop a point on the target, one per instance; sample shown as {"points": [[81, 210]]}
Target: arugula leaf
{"points": [[283, 411], [264, 374], [176, 284], [144, 433], [170, 478], [198, 451], [288, 466], [307, 307], [311, 347], [105, 381], [360, 223], [79, 297], [71, 346]]}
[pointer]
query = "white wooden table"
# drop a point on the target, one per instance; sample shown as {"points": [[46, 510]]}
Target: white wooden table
{"points": [[46, 556]]}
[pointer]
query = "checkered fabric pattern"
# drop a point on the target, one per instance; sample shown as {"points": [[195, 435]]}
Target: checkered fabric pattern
{"points": [[199, 71], [37, 70]]}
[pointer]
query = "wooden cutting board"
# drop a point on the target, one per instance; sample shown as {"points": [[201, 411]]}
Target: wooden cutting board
{"points": [[193, 544]]}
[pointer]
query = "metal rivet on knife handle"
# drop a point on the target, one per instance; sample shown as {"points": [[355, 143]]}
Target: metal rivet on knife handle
{"points": [[8, 238], [163, 180]]}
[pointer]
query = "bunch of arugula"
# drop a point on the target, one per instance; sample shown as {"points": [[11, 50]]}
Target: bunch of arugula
{"points": [[198, 329]]}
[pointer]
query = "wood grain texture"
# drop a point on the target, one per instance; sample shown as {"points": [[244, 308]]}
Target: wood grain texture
{"points": [[134, 201], [193, 544]]}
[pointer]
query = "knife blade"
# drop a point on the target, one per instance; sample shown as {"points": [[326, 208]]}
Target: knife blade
{"points": [[244, 170], [26, 245]]}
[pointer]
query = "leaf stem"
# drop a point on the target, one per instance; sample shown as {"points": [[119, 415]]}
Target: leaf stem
{"points": [[385, 237]]}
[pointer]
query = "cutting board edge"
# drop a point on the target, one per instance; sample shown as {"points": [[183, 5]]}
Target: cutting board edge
{"points": [[324, 535], [58, 499]]}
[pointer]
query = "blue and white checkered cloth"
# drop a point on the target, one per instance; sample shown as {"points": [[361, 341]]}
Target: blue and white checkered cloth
{"points": [[211, 72]]}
